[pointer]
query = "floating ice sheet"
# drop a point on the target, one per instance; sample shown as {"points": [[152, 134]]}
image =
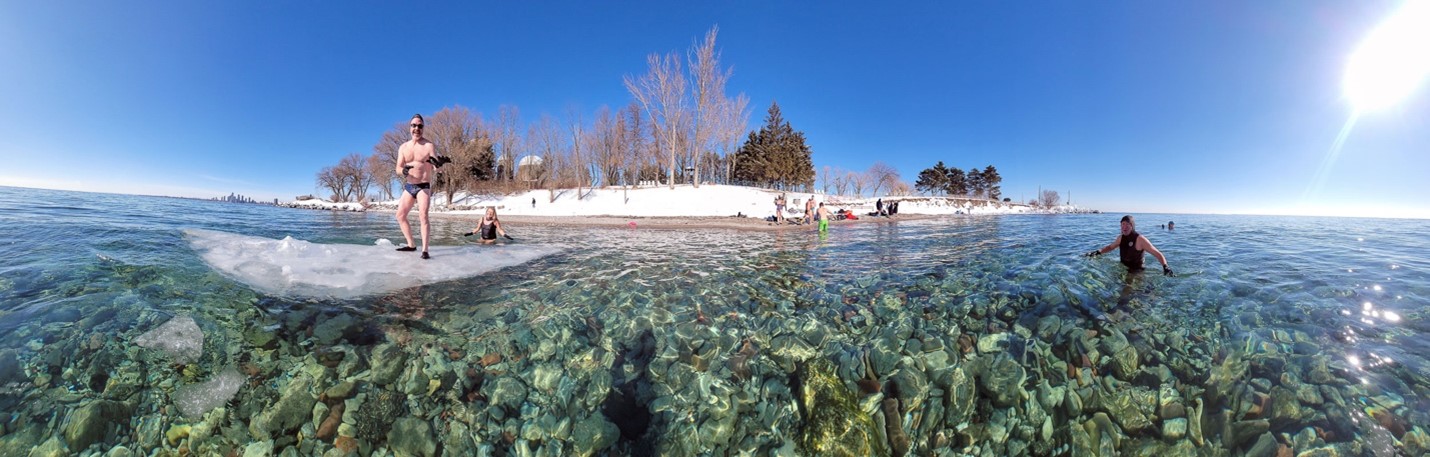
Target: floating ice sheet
{"points": [[298, 268]]}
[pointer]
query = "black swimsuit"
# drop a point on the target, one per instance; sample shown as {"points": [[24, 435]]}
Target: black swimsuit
{"points": [[489, 230], [415, 189], [1131, 256]]}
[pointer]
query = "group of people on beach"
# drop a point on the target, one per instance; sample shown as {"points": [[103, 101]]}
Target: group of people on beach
{"points": [[819, 213], [417, 162]]}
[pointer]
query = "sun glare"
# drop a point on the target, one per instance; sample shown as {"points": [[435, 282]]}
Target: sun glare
{"points": [[1392, 61]]}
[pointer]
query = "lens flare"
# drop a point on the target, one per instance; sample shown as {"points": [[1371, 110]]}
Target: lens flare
{"points": [[1390, 64]]}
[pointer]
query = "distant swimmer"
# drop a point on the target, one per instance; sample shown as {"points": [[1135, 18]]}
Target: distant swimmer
{"points": [[417, 162], [1131, 246], [488, 228], [1169, 225]]}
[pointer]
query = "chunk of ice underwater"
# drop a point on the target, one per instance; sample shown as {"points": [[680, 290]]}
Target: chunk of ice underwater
{"points": [[183, 341], [297, 268]]}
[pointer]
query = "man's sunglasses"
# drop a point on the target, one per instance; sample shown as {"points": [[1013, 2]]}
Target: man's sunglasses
{"points": [[417, 126]]}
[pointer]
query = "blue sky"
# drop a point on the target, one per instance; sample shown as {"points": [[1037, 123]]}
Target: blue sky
{"points": [[1124, 106]]}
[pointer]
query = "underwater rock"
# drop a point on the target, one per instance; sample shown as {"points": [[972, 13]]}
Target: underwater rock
{"points": [[177, 433], [340, 391], [1416, 441], [1285, 408], [1243, 431], [894, 429], [790, 350], [328, 419], [119, 451], [411, 436], [54, 447], [1002, 380], [262, 337], [506, 391], [1048, 327], [833, 422], [991, 343], [1104, 436], [387, 363], [258, 448], [180, 338], [1194, 421], [329, 331], [1304, 439], [1126, 407], [1169, 402], [293, 408], [373, 418], [1265, 446], [10, 367], [1050, 397], [593, 434], [196, 399], [1124, 356], [909, 387], [1174, 429], [961, 395], [89, 423]]}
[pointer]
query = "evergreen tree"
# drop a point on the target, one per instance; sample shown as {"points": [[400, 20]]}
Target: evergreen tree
{"points": [[976, 185], [933, 180], [992, 183], [775, 156], [957, 182]]}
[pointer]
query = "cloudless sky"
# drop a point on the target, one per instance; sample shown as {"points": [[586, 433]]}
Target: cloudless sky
{"points": [[1136, 106]]}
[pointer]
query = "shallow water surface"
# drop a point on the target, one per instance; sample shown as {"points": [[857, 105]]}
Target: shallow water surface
{"points": [[956, 336]]}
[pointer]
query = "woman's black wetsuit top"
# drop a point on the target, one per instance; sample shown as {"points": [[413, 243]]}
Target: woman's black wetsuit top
{"points": [[489, 230], [1131, 256]]}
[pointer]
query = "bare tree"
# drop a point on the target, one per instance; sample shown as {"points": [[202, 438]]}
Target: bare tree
{"points": [[708, 88], [507, 140], [328, 179], [546, 139], [606, 145], [733, 120], [1049, 198], [386, 150], [824, 179], [355, 179], [661, 94], [881, 175], [380, 172], [900, 189], [457, 133], [573, 170], [857, 181], [636, 149]]}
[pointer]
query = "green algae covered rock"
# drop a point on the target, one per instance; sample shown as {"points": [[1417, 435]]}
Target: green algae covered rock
{"points": [[833, 423]]}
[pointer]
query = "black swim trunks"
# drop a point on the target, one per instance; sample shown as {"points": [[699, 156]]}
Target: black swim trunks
{"points": [[415, 189]]}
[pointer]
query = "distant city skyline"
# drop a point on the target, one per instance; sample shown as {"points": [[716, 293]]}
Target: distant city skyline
{"points": [[1216, 107]]}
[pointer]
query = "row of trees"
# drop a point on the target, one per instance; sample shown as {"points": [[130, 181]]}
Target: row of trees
{"points": [[942, 180]]}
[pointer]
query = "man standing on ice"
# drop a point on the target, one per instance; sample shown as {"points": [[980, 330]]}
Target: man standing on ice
{"points": [[415, 162]]}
